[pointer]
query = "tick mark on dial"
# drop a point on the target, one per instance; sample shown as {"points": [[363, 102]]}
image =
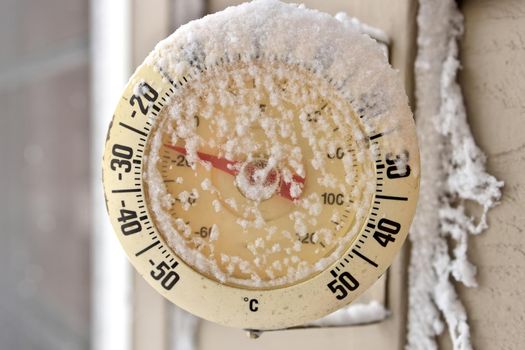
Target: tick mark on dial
{"points": [[155, 243], [365, 258], [376, 136]]}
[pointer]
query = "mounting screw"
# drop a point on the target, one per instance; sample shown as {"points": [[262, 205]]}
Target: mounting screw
{"points": [[253, 333]]}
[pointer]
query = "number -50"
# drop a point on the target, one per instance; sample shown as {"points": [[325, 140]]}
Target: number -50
{"points": [[167, 278], [342, 285]]}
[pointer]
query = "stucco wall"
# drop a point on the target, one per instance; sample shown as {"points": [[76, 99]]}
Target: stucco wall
{"points": [[493, 81]]}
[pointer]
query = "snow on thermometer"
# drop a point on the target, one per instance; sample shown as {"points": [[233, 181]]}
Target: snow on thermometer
{"points": [[262, 169]]}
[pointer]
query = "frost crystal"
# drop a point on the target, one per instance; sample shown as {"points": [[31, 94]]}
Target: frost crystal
{"points": [[357, 314], [453, 174], [280, 99]]}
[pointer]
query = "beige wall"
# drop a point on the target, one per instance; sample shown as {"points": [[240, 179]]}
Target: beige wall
{"points": [[493, 80]]}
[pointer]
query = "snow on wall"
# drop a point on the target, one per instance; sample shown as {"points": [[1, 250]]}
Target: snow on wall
{"points": [[453, 173], [354, 314]]}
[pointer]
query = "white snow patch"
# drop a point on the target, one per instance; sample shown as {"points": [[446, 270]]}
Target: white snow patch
{"points": [[453, 173], [356, 314]]}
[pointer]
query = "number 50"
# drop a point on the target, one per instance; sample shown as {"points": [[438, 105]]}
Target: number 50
{"points": [[344, 284]]}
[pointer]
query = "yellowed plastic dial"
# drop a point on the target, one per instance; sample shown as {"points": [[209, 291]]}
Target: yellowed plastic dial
{"points": [[257, 190]]}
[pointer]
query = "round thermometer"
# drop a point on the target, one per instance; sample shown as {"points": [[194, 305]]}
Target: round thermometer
{"points": [[261, 169]]}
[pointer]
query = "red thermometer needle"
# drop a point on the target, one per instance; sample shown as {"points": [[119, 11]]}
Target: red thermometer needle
{"points": [[230, 167]]}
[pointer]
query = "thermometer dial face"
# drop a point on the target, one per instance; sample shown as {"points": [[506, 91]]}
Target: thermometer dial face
{"points": [[256, 189], [265, 190]]}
